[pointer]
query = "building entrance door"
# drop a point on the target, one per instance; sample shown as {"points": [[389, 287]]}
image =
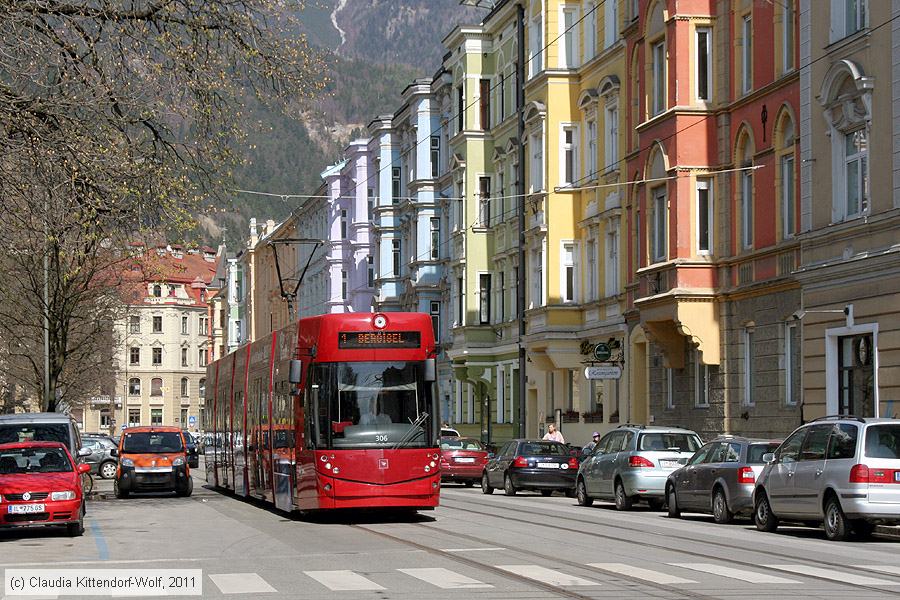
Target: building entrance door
{"points": [[856, 376]]}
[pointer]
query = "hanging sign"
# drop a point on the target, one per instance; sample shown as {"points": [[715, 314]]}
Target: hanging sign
{"points": [[603, 372]]}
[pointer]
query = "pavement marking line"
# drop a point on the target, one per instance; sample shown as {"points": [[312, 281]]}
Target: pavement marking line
{"points": [[445, 579], [833, 575], [471, 549], [545, 575], [343, 581], [889, 569], [241, 583], [639, 573], [100, 541], [732, 573]]}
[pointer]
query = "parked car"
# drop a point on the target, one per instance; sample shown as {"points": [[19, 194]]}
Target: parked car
{"points": [[632, 462], [462, 460], [42, 427], [841, 471], [193, 452], [719, 479], [152, 459], [101, 458], [40, 484], [530, 465]]}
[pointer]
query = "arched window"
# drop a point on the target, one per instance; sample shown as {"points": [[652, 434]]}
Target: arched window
{"points": [[184, 387], [656, 56], [635, 92], [134, 387], [203, 387], [744, 159], [658, 209], [156, 386], [786, 175]]}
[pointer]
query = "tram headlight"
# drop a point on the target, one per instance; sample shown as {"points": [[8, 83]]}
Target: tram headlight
{"points": [[336, 470], [427, 468], [432, 464], [323, 458], [328, 465]]}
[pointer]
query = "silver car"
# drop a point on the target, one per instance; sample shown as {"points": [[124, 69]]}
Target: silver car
{"points": [[719, 478], [841, 471], [632, 463]]}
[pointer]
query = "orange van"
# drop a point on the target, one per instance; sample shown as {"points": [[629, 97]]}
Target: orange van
{"points": [[152, 459]]}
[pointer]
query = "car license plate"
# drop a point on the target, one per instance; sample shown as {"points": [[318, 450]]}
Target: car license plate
{"points": [[465, 460], [548, 466], [668, 464], [25, 509]]}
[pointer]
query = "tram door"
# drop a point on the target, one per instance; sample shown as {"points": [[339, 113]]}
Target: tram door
{"points": [[283, 441]]}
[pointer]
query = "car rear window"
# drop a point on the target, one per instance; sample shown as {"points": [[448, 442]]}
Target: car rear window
{"points": [[883, 441], [152, 442], [684, 442], [544, 449], [755, 452], [34, 460], [34, 432], [461, 444]]}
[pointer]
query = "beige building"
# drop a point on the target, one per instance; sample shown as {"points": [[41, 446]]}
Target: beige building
{"points": [[850, 207], [165, 342]]}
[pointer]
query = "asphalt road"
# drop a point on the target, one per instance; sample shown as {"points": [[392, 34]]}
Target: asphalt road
{"points": [[473, 546]]}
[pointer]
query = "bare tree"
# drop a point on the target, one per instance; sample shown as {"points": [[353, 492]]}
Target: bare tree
{"points": [[116, 116]]}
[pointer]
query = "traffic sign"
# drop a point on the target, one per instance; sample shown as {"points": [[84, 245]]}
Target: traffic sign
{"points": [[192, 420], [604, 372], [602, 352]]}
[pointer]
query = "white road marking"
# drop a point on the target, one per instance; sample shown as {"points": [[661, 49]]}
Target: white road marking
{"points": [[470, 549], [104, 562], [639, 573], [445, 579], [889, 569], [731, 573], [545, 575], [241, 583], [833, 575], [341, 581]]}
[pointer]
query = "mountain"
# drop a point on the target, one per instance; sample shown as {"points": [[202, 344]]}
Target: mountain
{"points": [[375, 48]]}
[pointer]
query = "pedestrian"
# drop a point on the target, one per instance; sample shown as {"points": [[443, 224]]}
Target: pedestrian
{"points": [[553, 435], [589, 447]]}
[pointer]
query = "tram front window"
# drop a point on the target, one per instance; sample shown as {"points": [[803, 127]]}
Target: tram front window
{"points": [[376, 405]]}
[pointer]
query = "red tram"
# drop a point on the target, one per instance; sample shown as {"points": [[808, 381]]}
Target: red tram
{"points": [[333, 411]]}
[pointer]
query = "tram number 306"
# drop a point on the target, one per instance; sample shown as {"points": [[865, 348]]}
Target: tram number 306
{"points": [[381, 438]]}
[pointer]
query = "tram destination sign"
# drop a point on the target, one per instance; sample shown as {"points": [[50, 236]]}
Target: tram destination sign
{"points": [[354, 340]]}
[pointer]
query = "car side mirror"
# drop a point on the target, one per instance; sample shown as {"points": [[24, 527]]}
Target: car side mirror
{"points": [[114, 452], [84, 468], [82, 452], [768, 457]]}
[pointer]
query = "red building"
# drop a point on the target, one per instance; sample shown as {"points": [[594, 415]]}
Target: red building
{"points": [[713, 99]]}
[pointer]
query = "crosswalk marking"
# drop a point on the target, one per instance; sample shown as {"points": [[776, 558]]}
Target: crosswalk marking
{"points": [[241, 583], [445, 579], [639, 573], [545, 575], [833, 575], [343, 581], [740, 574], [889, 569]]}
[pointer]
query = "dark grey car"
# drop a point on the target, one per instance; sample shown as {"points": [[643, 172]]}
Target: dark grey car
{"points": [[101, 459], [530, 465], [719, 478]]}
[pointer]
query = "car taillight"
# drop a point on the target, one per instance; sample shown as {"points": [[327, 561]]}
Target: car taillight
{"points": [[639, 461], [520, 461], [573, 463], [859, 474], [746, 475]]}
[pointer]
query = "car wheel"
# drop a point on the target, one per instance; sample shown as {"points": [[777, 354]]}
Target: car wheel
{"points": [[674, 511], [863, 529], [188, 490], [582, 495], [468, 483], [485, 486], [108, 469], [721, 514], [837, 528], [546, 493], [76, 529], [120, 493], [762, 514], [623, 501], [508, 488], [655, 504]]}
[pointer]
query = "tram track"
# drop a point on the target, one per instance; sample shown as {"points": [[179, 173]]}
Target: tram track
{"points": [[466, 508]]}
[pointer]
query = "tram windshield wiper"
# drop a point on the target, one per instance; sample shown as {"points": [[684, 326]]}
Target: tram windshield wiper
{"points": [[411, 432]]}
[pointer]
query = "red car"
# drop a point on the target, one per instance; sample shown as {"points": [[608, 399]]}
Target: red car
{"points": [[462, 459], [40, 484]]}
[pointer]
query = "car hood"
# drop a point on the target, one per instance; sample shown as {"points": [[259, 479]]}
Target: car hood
{"points": [[37, 482]]}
